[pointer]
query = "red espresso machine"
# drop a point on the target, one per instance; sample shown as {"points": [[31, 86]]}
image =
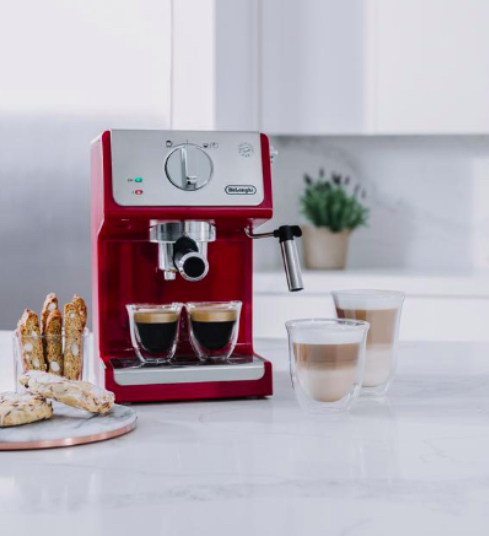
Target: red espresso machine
{"points": [[150, 188]]}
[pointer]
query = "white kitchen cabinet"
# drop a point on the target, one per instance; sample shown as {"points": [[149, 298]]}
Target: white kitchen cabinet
{"points": [[437, 307], [423, 318], [324, 67], [279, 66], [430, 60], [375, 66], [215, 65], [313, 67]]}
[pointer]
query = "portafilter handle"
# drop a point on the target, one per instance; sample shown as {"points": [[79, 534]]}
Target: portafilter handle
{"points": [[286, 235]]}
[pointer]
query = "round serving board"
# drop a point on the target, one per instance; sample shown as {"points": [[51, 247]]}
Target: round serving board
{"points": [[67, 427]]}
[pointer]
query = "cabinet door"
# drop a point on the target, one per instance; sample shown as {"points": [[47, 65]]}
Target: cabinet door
{"points": [[431, 65], [215, 57], [427, 318], [312, 66]]}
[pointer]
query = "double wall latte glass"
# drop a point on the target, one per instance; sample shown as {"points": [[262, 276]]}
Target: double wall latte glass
{"points": [[382, 310], [326, 362]]}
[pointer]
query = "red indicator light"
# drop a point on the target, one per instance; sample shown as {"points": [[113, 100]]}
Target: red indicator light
{"points": [[138, 192]]}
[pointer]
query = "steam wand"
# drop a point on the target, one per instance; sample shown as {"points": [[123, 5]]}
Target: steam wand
{"points": [[286, 235]]}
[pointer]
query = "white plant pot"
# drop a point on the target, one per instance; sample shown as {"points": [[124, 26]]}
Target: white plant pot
{"points": [[323, 249]]}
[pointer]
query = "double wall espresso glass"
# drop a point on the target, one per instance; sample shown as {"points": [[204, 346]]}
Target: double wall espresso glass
{"points": [[154, 331], [327, 359], [213, 330], [382, 310]]}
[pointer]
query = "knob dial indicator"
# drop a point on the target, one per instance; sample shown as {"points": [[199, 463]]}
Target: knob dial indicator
{"points": [[188, 167]]}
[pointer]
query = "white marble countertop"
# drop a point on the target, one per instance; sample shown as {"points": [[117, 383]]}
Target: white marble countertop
{"points": [[415, 464]]}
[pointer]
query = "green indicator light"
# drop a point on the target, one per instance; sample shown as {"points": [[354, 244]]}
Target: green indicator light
{"points": [[138, 179]]}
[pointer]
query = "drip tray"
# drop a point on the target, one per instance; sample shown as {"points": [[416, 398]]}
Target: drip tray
{"points": [[130, 371]]}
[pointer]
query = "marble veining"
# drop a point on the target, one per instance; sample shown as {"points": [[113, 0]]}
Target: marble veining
{"points": [[414, 463]]}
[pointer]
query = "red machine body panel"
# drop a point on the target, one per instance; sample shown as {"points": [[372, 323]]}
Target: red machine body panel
{"points": [[125, 270]]}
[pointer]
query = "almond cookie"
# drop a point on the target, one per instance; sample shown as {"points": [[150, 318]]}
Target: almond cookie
{"points": [[23, 408], [80, 304], [81, 395], [30, 341], [50, 304], [72, 364], [53, 342]]}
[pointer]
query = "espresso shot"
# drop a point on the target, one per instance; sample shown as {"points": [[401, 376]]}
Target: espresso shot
{"points": [[214, 328], [154, 331]]}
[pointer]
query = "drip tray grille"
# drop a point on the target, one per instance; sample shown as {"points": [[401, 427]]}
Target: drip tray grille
{"points": [[130, 371]]}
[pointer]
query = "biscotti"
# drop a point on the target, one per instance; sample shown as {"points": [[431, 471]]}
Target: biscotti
{"points": [[73, 355], [31, 349], [78, 394], [80, 304], [50, 305], [23, 408], [53, 342]]}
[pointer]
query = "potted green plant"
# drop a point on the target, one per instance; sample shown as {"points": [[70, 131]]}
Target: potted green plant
{"points": [[335, 209]]}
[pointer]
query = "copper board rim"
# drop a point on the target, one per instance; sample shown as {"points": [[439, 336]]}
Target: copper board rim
{"points": [[68, 441]]}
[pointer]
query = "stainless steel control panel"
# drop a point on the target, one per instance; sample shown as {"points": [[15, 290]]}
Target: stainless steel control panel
{"points": [[184, 168]]}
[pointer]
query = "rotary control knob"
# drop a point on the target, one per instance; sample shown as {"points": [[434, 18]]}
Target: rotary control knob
{"points": [[188, 167]]}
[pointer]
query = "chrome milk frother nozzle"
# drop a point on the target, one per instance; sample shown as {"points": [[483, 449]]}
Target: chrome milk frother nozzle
{"points": [[286, 235]]}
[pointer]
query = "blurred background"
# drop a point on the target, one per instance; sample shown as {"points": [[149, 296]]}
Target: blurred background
{"points": [[70, 70], [393, 94]]}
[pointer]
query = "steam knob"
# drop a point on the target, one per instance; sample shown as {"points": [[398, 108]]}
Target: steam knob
{"points": [[188, 167]]}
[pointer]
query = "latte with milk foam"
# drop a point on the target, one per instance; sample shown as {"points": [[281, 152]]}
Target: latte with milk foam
{"points": [[382, 310], [326, 364]]}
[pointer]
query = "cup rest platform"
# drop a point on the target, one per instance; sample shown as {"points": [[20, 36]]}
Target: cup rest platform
{"points": [[130, 371]]}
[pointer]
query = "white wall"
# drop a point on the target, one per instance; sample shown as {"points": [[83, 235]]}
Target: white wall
{"points": [[72, 70], [85, 57], [428, 197]]}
